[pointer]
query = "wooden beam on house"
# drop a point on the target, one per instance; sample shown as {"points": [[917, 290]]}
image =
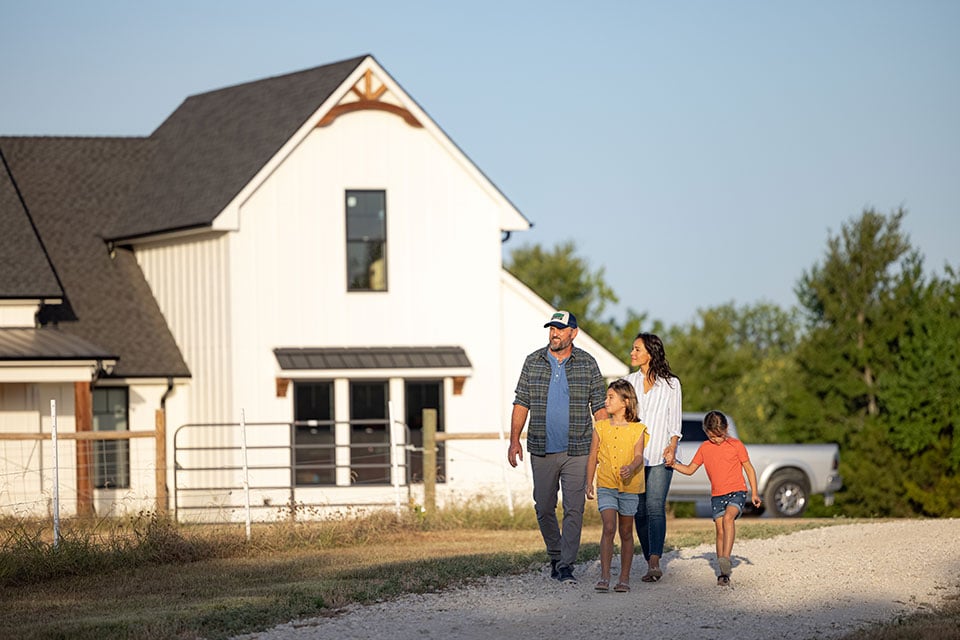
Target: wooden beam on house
{"points": [[83, 410], [369, 98]]}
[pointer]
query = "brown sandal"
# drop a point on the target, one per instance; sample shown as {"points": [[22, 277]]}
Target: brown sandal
{"points": [[653, 575], [603, 585], [622, 587]]}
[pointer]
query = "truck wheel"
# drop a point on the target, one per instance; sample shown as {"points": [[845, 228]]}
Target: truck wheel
{"points": [[787, 493]]}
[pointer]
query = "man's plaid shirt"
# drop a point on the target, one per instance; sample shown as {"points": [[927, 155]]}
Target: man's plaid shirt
{"points": [[587, 395]]}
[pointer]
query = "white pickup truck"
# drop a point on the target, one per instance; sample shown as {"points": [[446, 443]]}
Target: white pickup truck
{"points": [[788, 474]]}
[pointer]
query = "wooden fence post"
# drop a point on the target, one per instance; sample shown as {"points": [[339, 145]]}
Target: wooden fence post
{"points": [[429, 460], [160, 440]]}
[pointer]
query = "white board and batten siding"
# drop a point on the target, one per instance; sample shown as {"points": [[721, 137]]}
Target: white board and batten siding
{"points": [[276, 277]]}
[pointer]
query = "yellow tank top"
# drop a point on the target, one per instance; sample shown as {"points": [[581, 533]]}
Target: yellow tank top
{"points": [[616, 449]]}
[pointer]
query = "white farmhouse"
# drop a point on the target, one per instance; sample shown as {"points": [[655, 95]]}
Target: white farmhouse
{"points": [[308, 255]]}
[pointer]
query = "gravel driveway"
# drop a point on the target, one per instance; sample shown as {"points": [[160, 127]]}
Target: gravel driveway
{"points": [[820, 583]]}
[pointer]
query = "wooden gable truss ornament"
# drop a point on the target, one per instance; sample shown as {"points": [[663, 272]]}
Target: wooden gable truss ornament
{"points": [[368, 98]]}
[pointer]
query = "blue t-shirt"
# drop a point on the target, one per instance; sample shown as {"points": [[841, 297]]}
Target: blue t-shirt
{"points": [[558, 408]]}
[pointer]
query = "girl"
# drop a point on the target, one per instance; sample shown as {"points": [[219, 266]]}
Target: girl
{"points": [[726, 461], [616, 459]]}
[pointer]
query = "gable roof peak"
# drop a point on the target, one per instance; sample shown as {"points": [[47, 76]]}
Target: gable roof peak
{"points": [[283, 77], [214, 144]]}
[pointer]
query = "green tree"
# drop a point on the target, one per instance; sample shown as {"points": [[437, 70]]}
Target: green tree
{"points": [[920, 398], [760, 397], [871, 323], [566, 281], [847, 298], [736, 359], [623, 335]]}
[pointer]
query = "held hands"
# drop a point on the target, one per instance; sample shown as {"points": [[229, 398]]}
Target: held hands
{"points": [[676, 465], [669, 455], [626, 471]]}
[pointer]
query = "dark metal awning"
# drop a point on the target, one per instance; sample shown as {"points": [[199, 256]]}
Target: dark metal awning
{"points": [[48, 344], [49, 355], [453, 359]]}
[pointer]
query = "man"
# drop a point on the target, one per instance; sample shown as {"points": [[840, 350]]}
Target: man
{"points": [[560, 386]]}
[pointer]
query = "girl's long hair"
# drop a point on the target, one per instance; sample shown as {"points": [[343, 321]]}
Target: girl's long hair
{"points": [[715, 423], [629, 396], [659, 366]]}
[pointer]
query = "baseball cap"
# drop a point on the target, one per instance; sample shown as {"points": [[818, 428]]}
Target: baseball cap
{"points": [[562, 320]]}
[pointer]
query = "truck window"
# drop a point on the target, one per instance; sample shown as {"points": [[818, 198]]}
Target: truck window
{"points": [[692, 431]]}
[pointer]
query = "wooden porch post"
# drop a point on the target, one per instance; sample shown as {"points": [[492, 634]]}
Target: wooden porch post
{"points": [[83, 410]]}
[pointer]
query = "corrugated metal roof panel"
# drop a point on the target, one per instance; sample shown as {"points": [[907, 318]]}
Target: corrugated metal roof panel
{"points": [[319, 358], [48, 344]]}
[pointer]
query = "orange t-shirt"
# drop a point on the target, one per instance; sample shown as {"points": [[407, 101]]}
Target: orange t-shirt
{"points": [[724, 465]]}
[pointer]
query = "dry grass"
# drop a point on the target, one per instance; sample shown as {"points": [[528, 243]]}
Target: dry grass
{"points": [[943, 624], [219, 597], [299, 570]]}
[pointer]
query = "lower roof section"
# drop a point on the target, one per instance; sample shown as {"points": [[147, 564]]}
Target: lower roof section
{"points": [[48, 344], [47, 355]]}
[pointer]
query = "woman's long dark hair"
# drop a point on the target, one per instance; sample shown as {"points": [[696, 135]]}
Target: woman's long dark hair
{"points": [[659, 366]]}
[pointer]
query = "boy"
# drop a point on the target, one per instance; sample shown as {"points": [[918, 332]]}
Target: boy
{"points": [[726, 460]]}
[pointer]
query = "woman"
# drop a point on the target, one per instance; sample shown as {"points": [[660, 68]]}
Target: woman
{"points": [[659, 398]]}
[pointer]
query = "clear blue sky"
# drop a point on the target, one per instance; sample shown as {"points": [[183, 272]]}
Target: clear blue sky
{"points": [[700, 152]]}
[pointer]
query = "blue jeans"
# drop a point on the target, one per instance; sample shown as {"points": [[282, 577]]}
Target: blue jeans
{"points": [[624, 503], [651, 518], [719, 504]]}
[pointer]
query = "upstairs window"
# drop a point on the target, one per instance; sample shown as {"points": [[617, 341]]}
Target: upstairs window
{"points": [[366, 240]]}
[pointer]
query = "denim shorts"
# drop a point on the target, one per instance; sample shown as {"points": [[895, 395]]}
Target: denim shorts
{"points": [[719, 503], [625, 503]]}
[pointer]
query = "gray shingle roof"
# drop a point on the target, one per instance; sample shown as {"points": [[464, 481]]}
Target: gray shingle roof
{"points": [[341, 358], [25, 272], [83, 192], [72, 187], [216, 142]]}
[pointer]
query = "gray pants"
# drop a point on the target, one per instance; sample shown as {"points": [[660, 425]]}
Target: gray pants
{"points": [[552, 473]]}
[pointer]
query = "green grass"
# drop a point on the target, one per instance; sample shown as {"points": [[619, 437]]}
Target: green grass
{"points": [[148, 578]]}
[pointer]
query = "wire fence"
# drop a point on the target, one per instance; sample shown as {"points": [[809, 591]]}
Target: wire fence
{"points": [[223, 472], [43, 474], [230, 472]]}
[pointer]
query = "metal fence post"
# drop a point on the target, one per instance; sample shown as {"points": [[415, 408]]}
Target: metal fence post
{"points": [[56, 474]]}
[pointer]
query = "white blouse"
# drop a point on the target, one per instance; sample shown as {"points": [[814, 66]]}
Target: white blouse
{"points": [[659, 409]]}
